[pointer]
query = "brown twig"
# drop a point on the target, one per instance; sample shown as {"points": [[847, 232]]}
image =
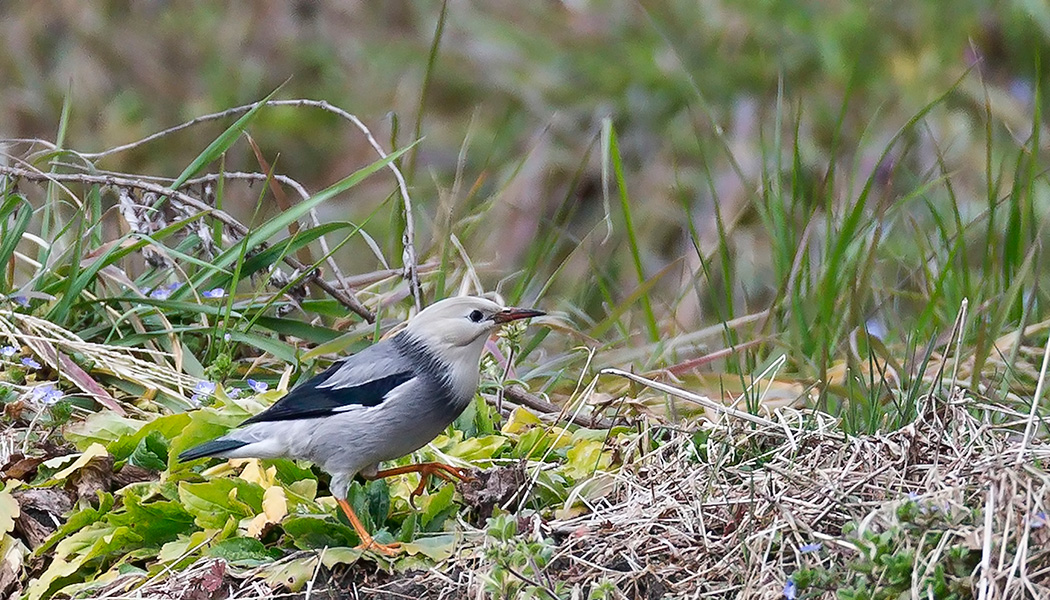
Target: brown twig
{"points": [[519, 395]]}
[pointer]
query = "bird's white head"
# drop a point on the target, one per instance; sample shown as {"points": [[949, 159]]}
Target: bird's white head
{"points": [[461, 322], [455, 330]]}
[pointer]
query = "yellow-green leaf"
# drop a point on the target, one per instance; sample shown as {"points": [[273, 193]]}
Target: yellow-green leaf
{"points": [[292, 574], [520, 420], [478, 448], [434, 547], [9, 511], [585, 458], [101, 427], [95, 450]]}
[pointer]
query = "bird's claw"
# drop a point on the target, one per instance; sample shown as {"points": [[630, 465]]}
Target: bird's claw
{"points": [[392, 549], [441, 471]]}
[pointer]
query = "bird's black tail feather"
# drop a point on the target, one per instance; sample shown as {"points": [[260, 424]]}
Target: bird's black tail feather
{"points": [[211, 448]]}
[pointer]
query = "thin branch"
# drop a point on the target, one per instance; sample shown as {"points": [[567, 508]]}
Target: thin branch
{"points": [[346, 299], [519, 395], [411, 271]]}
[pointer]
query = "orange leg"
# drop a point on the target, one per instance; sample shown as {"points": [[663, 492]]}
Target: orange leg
{"points": [[367, 543], [426, 471]]}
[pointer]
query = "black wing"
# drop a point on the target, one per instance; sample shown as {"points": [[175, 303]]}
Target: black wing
{"points": [[309, 400]]}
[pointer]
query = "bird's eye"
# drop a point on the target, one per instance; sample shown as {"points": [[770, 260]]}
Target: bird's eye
{"points": [[476, 316]]}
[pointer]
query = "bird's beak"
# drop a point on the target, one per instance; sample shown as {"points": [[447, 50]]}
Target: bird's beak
{"points": [[513, 314]]}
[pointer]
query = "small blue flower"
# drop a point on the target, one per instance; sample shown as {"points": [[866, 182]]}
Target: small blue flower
{"points": [[1038, 520], [790, 590], [160, 294], [8, 351], [258, 386], [46, 394], [214, 293], [20, 300], [233, 393], [227, 337], [171, 287], [197, 400], [914, 496], [29, 362], [52, 397], [813, 547], [205, 387]]}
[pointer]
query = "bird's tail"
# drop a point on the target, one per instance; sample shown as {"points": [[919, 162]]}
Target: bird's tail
{"points": [[211, 448]]}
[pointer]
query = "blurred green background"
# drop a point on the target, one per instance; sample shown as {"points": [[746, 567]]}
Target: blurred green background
{"points": [[718, 108]]}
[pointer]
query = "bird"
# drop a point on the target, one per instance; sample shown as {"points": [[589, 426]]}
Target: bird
{"points": [[382, 403]]}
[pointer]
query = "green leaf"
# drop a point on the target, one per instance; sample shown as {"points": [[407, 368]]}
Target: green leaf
{"points": [[98, 541], [280, 223], [280, 350], [244, 552], [163, 428], [102, 427], [151, 452], [408, 527], [359, 501], [534, 443], [308, 532], [304, 331], [221, 143], [57, 573], [436, 507], [478, 448], [289, 472], [174, 306], [205, 424], [377, 495], [434, 547], [585, 458], [177, 552], [341, 556], [289, 246], [611, 150], [214, 502], [306, 489], [12, 231], [79, 520], [292, 574], [157, 521], [78, 551], [70, 290]]}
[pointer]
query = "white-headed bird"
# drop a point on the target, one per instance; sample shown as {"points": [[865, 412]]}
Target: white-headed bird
{"points": [[380, 404]]}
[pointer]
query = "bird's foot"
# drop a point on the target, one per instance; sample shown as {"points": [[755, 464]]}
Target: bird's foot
{"points": [[439, 470], [392, 549], [367, 541], [426, 471]]}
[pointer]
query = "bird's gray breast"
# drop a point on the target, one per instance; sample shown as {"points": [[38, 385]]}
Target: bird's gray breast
{"points": [[410, 416]]}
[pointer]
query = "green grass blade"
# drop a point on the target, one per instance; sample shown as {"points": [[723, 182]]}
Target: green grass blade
{"points": [[221, 144], [15, 214], [613, 150]]}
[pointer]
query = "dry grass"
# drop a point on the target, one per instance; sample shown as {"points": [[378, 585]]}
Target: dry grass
{"points": [[734, 526]]}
